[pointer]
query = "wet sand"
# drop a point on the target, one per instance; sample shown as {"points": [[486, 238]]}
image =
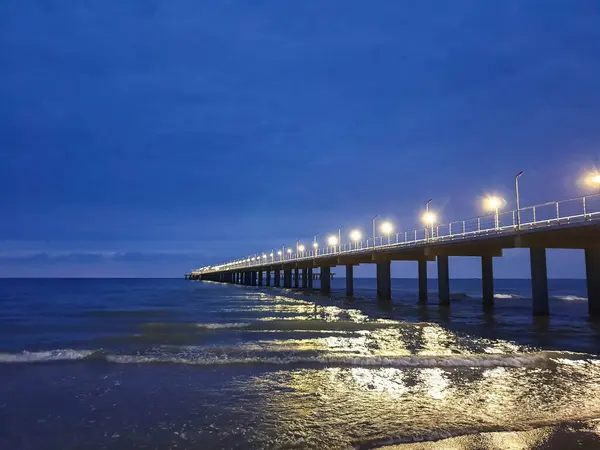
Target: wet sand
{"points": [[582, 436]]}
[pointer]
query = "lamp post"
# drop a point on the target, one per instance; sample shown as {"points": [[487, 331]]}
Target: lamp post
{"points": [[355, 236], [517, 176], [493, 203], [374, 219], [315, 245], [339, 239], [386, 228], [427, 215]]}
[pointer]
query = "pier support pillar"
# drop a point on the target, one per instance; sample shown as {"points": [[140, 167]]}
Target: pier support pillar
{"points": [[487, 281], [287, 278], [304, 278], [443, 280], [592, 271], [268, 280], [349, 280], [253, 278], [422, 281], [260, 277], [539, 281], [384, 280], [326, 280], [296, 278], [310, 278], [277, 278], [247, 278]]}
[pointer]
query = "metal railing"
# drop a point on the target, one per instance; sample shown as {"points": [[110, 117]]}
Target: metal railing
{"points": [[550, 214]]}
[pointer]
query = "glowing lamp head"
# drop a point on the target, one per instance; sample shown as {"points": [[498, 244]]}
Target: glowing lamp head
{"points": [[595, 178], [289, 250], [252, 259], [271, 255], [493, 203], [386, 227], [332, 240], [315, 245], [429, 218], [279, 252], [301, 248], [264, 256], [355, 235]]}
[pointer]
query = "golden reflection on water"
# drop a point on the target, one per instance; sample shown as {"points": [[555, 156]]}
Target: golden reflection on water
{"points": [[352, 405], [341, 407]]}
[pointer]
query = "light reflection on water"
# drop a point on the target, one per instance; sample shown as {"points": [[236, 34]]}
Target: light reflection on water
{"points": [[364, 406], [293, 370]]}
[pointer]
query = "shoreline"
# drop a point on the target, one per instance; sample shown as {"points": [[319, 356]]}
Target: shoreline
{"points": [[583, 435]]}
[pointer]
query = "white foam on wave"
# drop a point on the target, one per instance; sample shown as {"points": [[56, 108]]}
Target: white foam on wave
{"points": [[534, 359], [217, 326], [505, 296], [571, 298], [50, 355]]}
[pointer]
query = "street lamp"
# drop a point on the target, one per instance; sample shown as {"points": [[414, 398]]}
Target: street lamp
{"points": [[355, 235], [428, 219], [494, 204], [594, 180], [374, 219], [280, 254], [332, 241], [339, 239], [301, 248], [517, 176], [386, 228]]}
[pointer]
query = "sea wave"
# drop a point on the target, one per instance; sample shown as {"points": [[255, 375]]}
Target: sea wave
{"points": [[506, 296], [46, 356], [571, 298], [296, 358]]}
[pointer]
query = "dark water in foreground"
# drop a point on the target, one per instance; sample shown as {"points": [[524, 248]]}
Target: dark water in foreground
{"points": [[161, 364]]}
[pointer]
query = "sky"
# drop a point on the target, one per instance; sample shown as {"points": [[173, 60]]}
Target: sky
{"points": [[147, 138]]}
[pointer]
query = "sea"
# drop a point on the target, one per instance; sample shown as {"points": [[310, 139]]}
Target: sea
{"points": [[176, 364]]}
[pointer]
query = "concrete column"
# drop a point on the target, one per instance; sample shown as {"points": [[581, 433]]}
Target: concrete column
{"points": [[539, 281], [253, 278], [247, 278], [287, 278], [277, 278], [443, 280], [296, 278], [268, 280], [487, 280], [260, 277], [384, 280], [310, 278], [423, 281], [304, 278], [592, 271], [325, 280], [349, 280]]}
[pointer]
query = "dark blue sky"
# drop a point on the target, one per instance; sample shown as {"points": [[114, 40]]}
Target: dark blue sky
{"points": [[147, 138]]}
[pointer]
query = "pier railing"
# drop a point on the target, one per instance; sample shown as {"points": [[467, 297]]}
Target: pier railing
{"points": [[550, 214]]}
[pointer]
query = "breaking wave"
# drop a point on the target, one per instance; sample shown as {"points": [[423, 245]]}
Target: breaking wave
{"points": [[298, 358], [571, 298], [506, 296]]}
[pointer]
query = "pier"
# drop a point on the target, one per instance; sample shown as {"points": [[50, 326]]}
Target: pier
{"points": [[566, 224]]}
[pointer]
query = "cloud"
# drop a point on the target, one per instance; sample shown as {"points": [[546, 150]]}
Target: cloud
{"points": [[87, 258]]}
